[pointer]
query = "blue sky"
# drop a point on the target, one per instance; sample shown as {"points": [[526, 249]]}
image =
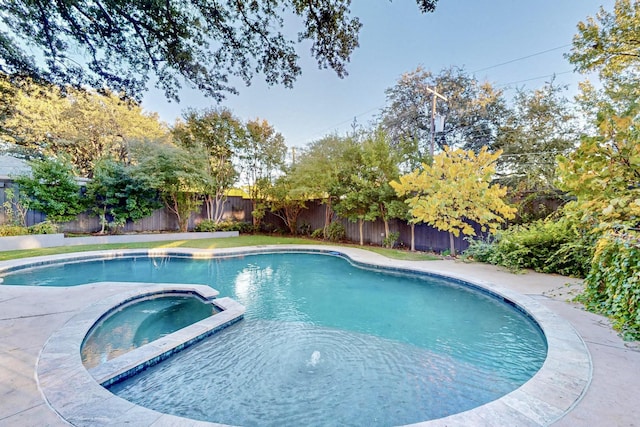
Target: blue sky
{"points": [[396, 38]]}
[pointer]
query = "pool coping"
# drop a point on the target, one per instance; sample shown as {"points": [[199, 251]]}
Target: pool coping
{"points": [[137, 360], [551, 393]]}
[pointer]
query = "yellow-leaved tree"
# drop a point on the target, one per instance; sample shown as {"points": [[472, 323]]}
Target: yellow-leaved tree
{"points": [[455, 192]]}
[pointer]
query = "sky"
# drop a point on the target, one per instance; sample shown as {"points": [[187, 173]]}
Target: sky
{"points": [[510, 43]]}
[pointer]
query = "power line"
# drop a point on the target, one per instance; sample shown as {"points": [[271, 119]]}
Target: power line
{"points": [[521, 58], [535, 78], [473, 72]]}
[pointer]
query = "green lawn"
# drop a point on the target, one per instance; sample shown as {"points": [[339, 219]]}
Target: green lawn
{"points": [[228, 242]]}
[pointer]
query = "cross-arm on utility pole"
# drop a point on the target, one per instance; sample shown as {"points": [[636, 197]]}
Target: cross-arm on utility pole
{"points": [[436, 95]]}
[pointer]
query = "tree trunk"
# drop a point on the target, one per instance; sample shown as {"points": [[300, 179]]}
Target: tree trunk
{"points": [[208, 201], [103, 219], [452, 246], [218, 204], [327, 217], [413, 237], [360, 226]]}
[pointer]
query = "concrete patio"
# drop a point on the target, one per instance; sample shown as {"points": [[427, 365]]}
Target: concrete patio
{"points": [[29, 316]]}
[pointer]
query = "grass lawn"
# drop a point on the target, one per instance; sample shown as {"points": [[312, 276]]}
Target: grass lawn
{"points": [[227, 242]]}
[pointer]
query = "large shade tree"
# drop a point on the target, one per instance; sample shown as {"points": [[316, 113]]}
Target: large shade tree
{"points": [[121, 44], [82, 124], [472, 112], [353, 189], [603, 174], [541, 125]]}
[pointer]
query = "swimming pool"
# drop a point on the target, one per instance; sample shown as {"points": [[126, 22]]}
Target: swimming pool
{"points": [[393, 354]]}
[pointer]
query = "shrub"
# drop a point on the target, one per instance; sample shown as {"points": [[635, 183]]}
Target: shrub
{"points": [[613, 284], [318, 233], [305, 229], [12, 230], [45, 227], [208, 225], [391, 240], [336, 232], [546, 246], [481, 249]]}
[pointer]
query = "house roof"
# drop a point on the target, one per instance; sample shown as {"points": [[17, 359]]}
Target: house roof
{"points": [[11, 166]]}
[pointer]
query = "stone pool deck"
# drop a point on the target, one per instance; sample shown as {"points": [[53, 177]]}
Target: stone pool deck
{"points": [[29, 316]]}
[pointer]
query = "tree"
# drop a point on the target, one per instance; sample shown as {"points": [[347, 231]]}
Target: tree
{"points": [[176, 173], [82, 124], [261, 159], [204, 42], [118, 194], [317, 171], [381, 167], [455, 192], [354, 193], [51, 189], [609, 43], [540, 126], [472, 113], [287, 202], [604, 172], [218, 133]]}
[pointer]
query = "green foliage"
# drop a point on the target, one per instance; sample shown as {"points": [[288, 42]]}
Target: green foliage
{"points": [[318, 233], [391, 240], [609, 43], [541, 125], [287, 202], [336, 232], [208, 225], [15, 211], [261, 157], [52, 190], [117, 195], [545, 246], [203, 42], [83, 125], [218, 134], [177, 173], [613, 285], [472, 113], [603, 172], [44, 227], [305, 229]]}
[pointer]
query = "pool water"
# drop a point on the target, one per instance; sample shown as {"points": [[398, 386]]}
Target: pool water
{"points": [[325, 343], [140, 322]]}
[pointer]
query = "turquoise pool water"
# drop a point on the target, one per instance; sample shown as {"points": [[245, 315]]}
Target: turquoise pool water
{"points": [[325, 343], [140, 322]]}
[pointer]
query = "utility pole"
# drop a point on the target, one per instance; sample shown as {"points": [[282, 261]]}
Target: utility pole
{"points": [[435, 96]]}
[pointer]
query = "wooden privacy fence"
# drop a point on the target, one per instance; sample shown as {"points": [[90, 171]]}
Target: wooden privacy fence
{"points": [[426, 238]]}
